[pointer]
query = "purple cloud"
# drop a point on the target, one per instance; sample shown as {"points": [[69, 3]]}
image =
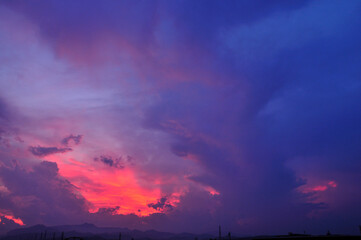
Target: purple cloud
{"points": [[45, 151], [109, 161], [76, 139]]}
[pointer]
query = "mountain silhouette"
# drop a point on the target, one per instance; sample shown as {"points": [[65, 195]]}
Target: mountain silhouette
{"points": [[91, 231]]}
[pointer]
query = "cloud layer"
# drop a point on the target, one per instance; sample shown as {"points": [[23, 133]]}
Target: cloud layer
{"points": [[151, 114]]}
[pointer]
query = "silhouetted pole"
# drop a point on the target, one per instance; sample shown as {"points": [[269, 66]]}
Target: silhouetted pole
{"points": [[45, 235], [53, 235], [62, 235], [360, 229], [229, 236], [219, 231], [120, 236], [41, 236]]}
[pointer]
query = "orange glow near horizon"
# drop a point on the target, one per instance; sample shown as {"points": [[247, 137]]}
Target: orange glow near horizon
{"points": [[106, 187], [120, 189]]}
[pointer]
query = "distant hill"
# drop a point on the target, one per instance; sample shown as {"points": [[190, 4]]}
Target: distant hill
{"points": [[89, 231], [83, 228]]}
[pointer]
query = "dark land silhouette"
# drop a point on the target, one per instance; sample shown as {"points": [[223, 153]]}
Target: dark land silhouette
{"points": [[88, 231]]}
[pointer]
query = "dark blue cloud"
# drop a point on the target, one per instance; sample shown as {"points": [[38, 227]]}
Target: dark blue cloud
{"points": [[296, 97]]}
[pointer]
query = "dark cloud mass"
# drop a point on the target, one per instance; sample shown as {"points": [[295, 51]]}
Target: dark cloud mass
{"points": [[110, 211], [109, 161], [45, 151], [239, 113], [161, 204], [40, 193]]}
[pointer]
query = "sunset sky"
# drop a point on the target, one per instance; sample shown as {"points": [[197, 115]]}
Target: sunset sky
{"points": [[181, 115]]}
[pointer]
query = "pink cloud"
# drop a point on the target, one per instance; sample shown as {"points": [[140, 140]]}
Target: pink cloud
{"points": [[332, 184], [319, 188]]}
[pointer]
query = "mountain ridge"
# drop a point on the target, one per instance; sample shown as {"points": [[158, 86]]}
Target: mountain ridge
{"points": [[90, 231]]}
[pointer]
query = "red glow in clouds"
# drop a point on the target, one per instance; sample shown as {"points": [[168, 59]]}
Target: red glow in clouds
{"points": [[321, 188], [332, 184], [12, 218], [106, 187]]}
